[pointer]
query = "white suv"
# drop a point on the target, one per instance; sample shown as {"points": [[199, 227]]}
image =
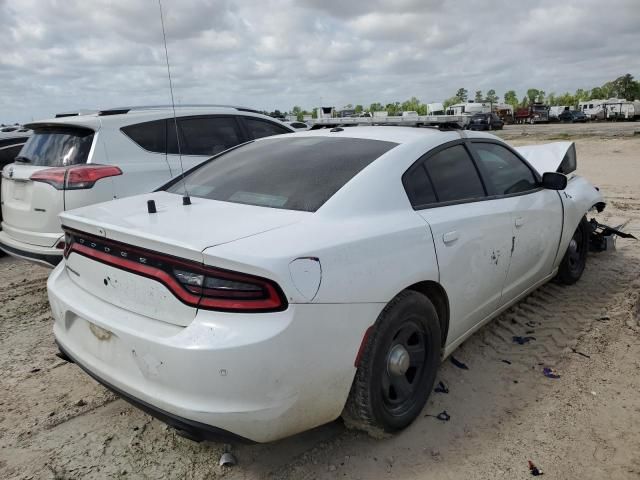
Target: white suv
{"points": [[76, 160]]}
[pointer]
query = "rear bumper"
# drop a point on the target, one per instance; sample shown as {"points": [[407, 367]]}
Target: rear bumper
{"points": [[194, 430], [257, 376], [48, 256]]}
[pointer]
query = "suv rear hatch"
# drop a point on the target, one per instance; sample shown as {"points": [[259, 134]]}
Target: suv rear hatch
{"points": [[30, 206], [152, 264]]}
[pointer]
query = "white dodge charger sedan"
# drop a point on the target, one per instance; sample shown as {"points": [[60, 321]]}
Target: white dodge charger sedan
{"points": [[312, 275]]}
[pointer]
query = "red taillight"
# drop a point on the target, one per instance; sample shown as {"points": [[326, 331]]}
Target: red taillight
{"points": [[53, 176], [192, 283], [75, 178]]}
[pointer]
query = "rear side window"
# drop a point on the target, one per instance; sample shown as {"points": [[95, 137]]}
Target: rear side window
{"points": [[206, 135], [453, 175], [57, 147], [263, 128], [505, 171], [418, 187], [293, 173], [149, 135]]}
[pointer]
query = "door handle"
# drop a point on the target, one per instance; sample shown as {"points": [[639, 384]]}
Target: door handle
{"points": [[450, 237], [519, 221]]}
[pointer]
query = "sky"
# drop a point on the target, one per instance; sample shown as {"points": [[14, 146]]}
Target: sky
{"points": [[62, 55]]}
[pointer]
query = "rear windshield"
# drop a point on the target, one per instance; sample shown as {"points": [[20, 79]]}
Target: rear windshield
{"points": [[57, 147], [290, 173]]}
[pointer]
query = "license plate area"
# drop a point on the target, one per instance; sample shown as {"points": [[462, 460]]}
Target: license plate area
{"points": [[18, 190]]}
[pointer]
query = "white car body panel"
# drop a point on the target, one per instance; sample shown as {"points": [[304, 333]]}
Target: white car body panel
{"points": [[545, 157], [536, 220], [338, 267]]}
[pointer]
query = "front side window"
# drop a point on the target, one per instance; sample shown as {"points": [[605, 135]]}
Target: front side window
{"points": [[506, 172], [263, 128], [454, 176], [57, 147], [293, 173]]}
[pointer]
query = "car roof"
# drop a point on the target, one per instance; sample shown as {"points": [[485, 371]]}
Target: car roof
{"points": [[393, 134], [122, 116]]}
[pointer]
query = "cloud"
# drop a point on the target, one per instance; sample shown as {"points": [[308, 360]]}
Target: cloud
{"points": [[267, 54]]}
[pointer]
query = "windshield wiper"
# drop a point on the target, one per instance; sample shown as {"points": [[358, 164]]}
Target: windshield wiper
{"points": [[22, 159]]}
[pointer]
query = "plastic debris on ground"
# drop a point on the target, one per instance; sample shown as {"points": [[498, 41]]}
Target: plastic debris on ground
{"points": [[506, 361], [458, 363], [442, 416], [522, 340], [580, 353], [441, 388], [535, 471], [550, 372]]}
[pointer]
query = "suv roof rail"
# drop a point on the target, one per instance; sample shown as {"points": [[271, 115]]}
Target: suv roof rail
{"points": [[74, 113], [127, 109]]}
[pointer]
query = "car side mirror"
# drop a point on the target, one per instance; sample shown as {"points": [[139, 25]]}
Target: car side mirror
{"points": [[554, 181]]}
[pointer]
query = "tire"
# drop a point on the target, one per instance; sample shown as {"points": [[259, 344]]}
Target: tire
{"points": [[575, 258], [398, 366]]}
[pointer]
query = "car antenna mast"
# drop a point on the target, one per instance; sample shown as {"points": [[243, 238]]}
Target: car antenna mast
{"points": [[186, 199]]}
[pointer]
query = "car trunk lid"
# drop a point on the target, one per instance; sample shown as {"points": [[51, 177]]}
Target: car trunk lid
{"points": [[176, 230]]}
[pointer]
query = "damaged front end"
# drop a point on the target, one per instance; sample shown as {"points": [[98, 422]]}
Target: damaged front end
{"points": [[603, 237]]}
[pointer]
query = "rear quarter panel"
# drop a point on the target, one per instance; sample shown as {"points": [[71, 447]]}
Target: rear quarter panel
{"points": [[366, 259]]}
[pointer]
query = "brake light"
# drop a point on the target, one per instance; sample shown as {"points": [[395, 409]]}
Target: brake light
{"points": [[75, 178], [191, 282]]}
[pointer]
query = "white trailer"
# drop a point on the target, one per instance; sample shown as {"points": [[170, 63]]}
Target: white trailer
{"points": [[557, 110], [469, 108], [622, 109], [593, 109], [326, 112], [435, 109]]}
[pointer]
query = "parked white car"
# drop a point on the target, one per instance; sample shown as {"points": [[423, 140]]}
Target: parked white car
{"points": [[313, 274], [82, 159]]}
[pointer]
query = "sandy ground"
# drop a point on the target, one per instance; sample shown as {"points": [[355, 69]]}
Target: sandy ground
{"points": [[55, 422]]}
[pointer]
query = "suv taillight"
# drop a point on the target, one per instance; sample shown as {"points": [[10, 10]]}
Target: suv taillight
{"points": [[193, 283], [75, 178]]}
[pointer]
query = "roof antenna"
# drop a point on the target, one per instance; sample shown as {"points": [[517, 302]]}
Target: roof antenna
{"points": [[186, 199]]}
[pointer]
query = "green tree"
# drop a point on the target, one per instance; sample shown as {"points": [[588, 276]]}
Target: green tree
{"points": [[297, 111], [478, 97], [376, 107], [450, 101], [581, 95], [359, 109], [491, 96], [626, 87], [532, 94], [597, 93], [314, 113], [540, 96], [511, 98], [461, 95], [551, 99], [411, 105]]}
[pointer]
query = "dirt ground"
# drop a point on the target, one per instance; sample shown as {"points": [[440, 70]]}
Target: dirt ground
{"points": [[56, 422]]}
